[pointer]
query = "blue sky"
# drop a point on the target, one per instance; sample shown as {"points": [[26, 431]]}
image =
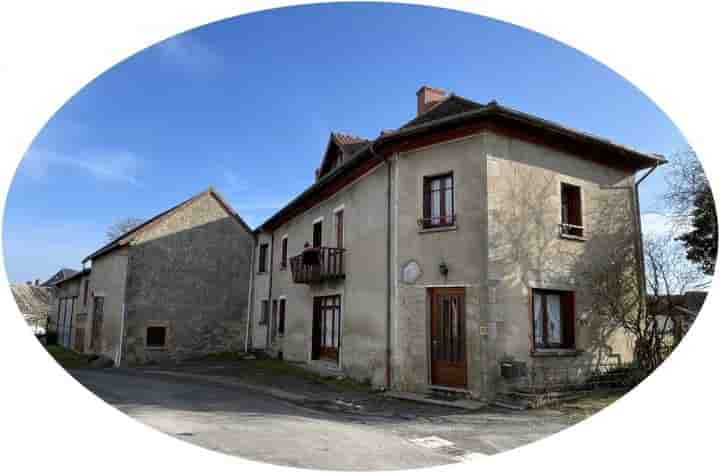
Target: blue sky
{"points": [[247, 105]]}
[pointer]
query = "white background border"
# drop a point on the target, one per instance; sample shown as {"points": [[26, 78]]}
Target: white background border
{"points": [[49, 50]]}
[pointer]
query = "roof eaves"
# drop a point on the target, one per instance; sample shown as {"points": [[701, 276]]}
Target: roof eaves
{"points": [[353, 159]]}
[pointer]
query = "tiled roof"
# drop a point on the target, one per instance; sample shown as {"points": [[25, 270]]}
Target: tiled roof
{"points": [[61, 275], [31, 300], [451, 105], [457, 111]]}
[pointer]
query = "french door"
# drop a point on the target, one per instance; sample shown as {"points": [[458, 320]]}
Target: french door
{"points": [[326, 328], [448, 356]]}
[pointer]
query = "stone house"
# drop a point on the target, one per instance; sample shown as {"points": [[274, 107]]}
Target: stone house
{"points": [[445, 251], [174, 287]]}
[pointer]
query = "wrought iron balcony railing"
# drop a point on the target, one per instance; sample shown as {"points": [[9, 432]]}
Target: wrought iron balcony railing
{"points": [[315, 265]]}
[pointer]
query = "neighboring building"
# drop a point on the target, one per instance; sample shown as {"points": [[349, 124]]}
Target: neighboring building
{"points": [[68, 316], [33, 301], [435, 253], [675, 314], [61, 275], [174, 287]]}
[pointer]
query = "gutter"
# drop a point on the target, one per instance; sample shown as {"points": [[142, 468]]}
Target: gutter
{"points": [[270, 275], [250, 295], [389, 266]]}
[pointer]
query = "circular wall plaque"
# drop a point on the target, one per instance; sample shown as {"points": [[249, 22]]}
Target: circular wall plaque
{"points": [[411, 272]]}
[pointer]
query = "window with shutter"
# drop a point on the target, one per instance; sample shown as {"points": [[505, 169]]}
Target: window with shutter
{"points": [[553, 319]]}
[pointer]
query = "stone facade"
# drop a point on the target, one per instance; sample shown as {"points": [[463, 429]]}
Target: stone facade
{"points": [[505, 243], [362, 292], [185, 274]]}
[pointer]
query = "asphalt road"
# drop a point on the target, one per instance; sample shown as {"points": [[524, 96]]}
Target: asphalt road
{"points": [[247, 424]]}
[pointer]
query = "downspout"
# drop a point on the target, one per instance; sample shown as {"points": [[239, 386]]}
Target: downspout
{"points": [[640, 246], [268, 325], [250, 295], [389, 266], [123, 313]]}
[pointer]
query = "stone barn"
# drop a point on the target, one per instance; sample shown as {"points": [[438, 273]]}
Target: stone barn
{"points": [[174, 287]]}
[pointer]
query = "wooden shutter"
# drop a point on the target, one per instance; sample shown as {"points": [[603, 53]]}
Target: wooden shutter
{"points": [[316, 327], [568, 314]]}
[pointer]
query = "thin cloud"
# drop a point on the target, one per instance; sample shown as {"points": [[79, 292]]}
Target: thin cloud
{"points": [[110, 166], [190, 53]]}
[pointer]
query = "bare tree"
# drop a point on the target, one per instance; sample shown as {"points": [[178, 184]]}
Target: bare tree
{"points": [[693, 209], [685, 179], [618, 299], [121, 227]]}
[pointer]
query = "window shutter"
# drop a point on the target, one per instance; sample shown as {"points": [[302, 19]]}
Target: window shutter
{"points": [[426, 200], [569, 319]]}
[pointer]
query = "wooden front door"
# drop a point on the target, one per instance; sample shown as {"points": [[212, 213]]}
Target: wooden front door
{"points": [[326, 328], [448, 358]]}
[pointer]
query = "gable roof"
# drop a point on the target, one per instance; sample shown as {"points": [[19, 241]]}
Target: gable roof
{"points": [[456, 116], [31, 300], [59, 276], [347, 145], [127, 237]]}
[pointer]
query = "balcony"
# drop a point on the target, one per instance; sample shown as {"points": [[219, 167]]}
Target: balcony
{"points": [[316, 265]]}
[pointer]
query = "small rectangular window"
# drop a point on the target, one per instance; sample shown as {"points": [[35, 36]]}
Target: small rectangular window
{"points": [[438, 201], [553, 319], [86, 286], [262, 258], [273, 320], [281, 318], [571, 201], [283, 253], [317, 234], [264, 312], [340, 228], [155, 337]]}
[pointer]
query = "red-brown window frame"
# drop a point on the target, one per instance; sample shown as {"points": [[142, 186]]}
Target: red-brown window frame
{"points": [[284, 253], [340, 228], [445, 218], [281, 317], [567, 317], [262, 257], [571, 217]]}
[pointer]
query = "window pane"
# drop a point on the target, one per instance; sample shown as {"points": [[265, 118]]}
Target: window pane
{"points": [[554, 335], [448, 201], [538, 319]]}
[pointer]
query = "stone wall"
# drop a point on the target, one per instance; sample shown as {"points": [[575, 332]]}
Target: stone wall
{"points": [[189, 273]]}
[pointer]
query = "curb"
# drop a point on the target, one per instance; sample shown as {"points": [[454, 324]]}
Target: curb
{"points": [[461, 404], [276, 393]]}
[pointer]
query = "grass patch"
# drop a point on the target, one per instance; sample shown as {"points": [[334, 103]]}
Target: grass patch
{"points": [[68, 359], [222, 356], [286, 368]]}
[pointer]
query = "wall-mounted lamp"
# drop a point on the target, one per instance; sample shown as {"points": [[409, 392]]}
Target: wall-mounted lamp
{"points": [[444, 268]]}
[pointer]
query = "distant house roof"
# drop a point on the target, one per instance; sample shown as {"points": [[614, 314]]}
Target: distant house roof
{"points": [[72, 277], [64, 273], [450, 118], [31, 299], [126, 237], [688, 304]]}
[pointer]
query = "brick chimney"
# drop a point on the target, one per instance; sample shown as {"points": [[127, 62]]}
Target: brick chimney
{"points": [[427, 97]]}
